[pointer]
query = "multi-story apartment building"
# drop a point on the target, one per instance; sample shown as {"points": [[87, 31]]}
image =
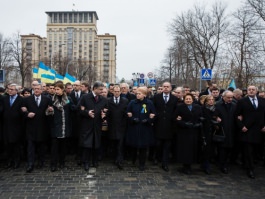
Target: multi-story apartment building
{"points": [[72, 45]]}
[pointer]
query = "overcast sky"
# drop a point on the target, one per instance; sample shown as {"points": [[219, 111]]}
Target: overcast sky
{"points": [[140, 25]]}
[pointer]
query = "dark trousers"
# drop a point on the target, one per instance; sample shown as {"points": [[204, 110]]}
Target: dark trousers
{"points": [[13, 152], [163, 148], [34, 146], [248, 155], [142, 155], [117, 146], [90, 154], [58, 150], [223, 156]]}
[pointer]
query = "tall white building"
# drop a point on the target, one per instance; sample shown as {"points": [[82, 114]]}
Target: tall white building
{"points": [[72, 45]]}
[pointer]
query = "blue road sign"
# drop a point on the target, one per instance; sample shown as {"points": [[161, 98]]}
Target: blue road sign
{"points": [[206, 74], [152, 82], [141, 81]]}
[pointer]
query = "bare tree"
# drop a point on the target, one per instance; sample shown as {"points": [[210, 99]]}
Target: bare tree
{"points": [[22, 59], [242, 44], [258, 6]]}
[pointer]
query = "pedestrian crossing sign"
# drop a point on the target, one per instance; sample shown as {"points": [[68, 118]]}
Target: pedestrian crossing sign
{"points": [[206, 74]]}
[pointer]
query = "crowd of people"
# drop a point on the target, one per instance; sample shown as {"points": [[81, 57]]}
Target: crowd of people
{"points": [[166, 126]]}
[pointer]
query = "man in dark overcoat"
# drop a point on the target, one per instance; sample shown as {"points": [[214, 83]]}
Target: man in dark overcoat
{"points": [[92, 108], [117, 123], [165, 104], [12, 125], [37, 128], [76, 95], [225, 110], [250, 111]]}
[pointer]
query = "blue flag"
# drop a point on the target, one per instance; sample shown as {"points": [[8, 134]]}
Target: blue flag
{"points": [[232, 84]]}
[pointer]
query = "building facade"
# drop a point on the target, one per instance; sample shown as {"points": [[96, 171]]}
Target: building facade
{"points": [[72, 45]]}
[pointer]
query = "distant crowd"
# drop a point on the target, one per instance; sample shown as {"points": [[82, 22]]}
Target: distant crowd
{"points": [[164, 125]]}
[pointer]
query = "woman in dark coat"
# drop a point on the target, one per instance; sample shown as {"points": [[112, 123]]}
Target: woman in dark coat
{"points": [[188, 120], [209, 115], [140, 135], [61, 125]]}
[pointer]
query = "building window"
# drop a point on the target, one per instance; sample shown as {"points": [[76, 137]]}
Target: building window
{"points": [[60, 18], [70, 18], [80, 17], [85, 18], [75, 18], [65, 18]]}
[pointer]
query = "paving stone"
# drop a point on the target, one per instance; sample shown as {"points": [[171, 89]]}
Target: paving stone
{"points": [[108, 182]]}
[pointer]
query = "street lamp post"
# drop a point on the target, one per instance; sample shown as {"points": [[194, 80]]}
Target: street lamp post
{"points": [[60, 50], [68, 65]]}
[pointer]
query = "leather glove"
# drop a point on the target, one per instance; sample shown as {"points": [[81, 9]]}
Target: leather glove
{"points": [[197, 125], [188, 124], [144, 121], [202, 119], [136, 120]]}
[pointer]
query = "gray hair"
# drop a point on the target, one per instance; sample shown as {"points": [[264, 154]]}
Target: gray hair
{"points": [[226, 92], [16, 86]]}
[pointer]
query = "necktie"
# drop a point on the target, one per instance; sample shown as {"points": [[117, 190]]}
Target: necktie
{"points": [[116, 100], [165, 98], [190, 107], [37, 101], [254, 104], [96, 98], [77, 95], [11, 100]]}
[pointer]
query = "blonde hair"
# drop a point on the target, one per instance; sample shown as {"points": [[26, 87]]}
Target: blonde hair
{"points": [[143, 90]]}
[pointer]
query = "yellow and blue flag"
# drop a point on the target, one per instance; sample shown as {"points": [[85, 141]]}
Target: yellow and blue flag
{"points": [[68, 78], [47, 78], [35, 73]]}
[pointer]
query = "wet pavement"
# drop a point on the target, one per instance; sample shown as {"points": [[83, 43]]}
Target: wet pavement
{"points": [[107, 181]]}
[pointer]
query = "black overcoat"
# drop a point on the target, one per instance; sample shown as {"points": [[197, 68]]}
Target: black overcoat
{"points": [[164, 123], [61, 121], [37, 128], [227, 114], [253, 120], [117, 118], [140, 134], [187, 136], [12, 119], [91, 127]]}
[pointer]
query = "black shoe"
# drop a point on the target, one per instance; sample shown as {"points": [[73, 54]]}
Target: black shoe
{"points": [[141, 168], [9, 165], [86, 166], [251, 174], [53, 168], [40, 165], [29, 169], [95, 164], [62, 165], [207, 171], [224, 170], [155, 162], [165, 168], [79, 162], [119, 165], [16, 165], [186, 170]]}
